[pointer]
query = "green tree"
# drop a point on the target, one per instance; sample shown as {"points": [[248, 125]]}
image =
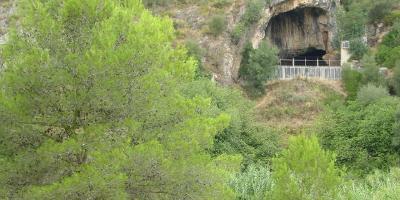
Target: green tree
{"points": [[361, 135], [256, 143], [92, 108], [370, 73], [259, 65], [253, 184], [305, 171], [217, 25], [370, 93], [351, 80]]}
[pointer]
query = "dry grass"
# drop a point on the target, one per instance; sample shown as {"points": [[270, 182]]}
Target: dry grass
{"points": [[292, 106]]}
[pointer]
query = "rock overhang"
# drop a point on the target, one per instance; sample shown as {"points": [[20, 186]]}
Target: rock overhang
{"points": [[324, 27]]}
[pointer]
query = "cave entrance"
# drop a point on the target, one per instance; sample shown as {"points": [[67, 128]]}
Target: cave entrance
{"points": [[311, 57], [301, 34]]}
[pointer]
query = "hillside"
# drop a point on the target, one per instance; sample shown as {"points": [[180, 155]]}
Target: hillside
{"points": [[186, 99], [292, 106]]}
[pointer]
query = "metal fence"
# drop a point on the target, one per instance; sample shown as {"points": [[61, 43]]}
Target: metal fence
{"points": [[324, 73], [303, 68]]}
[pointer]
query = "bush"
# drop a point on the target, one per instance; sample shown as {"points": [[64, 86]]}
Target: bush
{"points": [[253, 11], [389, 50], [379, 185], [362, 135], [217, 25], [197, 52], [256, 143], [392, 18], [254, 183], [351, 80], [237, 33], [305, 171], [395, 80], [358, 48], [259, 65], [221, 3], [370, 93], [370, 73], [379, 12]]}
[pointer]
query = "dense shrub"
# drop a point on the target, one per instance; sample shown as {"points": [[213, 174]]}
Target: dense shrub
{"points": [[91, 107], [362, 135], [395, 80], [392, 18], [370, 71], [358, 48], [221, 3], [217, 25], [389, 50], [254, 183], [238, 33], [253, 11], [351, 81], [256, 143], [351, 23], [259, 65], [370, 93], [379, 11], [379, 185], [197, 52], [305, 171]]}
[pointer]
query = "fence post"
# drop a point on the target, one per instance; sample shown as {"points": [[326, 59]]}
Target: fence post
{"points": [[329, 62], [293, 62], [317, 62], [305, 61]]}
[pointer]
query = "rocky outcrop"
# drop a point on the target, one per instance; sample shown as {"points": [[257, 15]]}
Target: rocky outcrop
{"points": [[6, 9], [295, 26]]}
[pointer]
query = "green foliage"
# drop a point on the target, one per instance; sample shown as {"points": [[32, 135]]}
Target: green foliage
{"points": [[253, 11], [221, 3], [252, 14], [92, 107], [370, 93], [370, 71], [351, 23], [395, 80], [197, 52], [361, 135], [253, 184], [379, 11], [305, 171], [258, 65], [379, 185], [351, 81], [254, 142], [358, 48], [217, 25], [392, 18], [389, 50], [238, 33]]}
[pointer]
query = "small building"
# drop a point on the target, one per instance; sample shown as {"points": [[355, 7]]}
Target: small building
{"points": [[345, 52]]}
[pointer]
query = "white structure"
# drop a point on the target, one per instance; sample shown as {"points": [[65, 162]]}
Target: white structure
{"points": [[345, 52]]}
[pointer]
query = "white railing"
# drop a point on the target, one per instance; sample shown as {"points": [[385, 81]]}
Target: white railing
{"points": [[319, 69]]}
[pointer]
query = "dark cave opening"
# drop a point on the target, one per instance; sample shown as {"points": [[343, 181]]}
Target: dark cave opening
{"points": [[301, 34], [311, 57]]}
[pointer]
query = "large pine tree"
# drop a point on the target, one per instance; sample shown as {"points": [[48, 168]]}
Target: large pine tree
{"points": [[90, 108]]}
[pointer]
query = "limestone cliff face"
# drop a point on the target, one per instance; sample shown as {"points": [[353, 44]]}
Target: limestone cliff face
{"points": [[295, 25], [296, 31], [6, 9]]}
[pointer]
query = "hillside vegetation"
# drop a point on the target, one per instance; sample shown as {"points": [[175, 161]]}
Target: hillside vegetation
{"points": [[105, 99], [293, 106]]}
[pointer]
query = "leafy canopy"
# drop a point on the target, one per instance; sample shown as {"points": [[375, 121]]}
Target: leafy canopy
{"points": [[92, 108]]}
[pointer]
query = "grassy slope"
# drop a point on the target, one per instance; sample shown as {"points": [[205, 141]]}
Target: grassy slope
{"points": [[292, 106]]}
